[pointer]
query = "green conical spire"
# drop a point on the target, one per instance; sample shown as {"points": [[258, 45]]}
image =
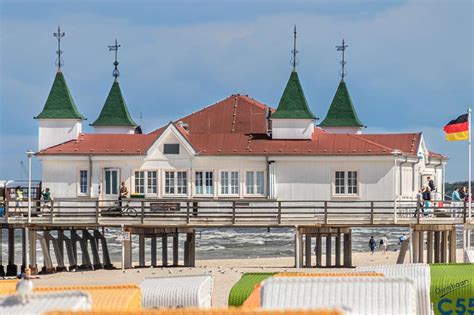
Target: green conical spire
{"points": [[59, 104], [114, 112], [293, 103], [341, 113]]}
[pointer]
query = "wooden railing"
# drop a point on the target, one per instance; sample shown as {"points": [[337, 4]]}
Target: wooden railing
{"points": [[228, 212]]}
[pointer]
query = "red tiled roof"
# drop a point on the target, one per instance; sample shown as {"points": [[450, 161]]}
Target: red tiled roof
{"points": [[237, 126], [105, 144]]}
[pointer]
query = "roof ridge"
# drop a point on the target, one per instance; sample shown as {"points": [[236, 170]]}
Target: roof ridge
{"points": [[369, 141]]}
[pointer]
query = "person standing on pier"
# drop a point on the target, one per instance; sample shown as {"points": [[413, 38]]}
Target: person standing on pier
{"points": [[372, 245], [431, 184], [426, 200], [47, 198], [123, 193], [18, 198]]}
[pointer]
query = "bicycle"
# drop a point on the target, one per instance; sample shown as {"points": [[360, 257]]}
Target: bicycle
{"points": [[117, 210]]}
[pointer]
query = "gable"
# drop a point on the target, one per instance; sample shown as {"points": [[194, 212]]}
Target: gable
{"points": [[171, 135]]}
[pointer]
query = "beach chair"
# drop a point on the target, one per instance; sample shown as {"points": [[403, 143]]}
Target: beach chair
{"points": [[244, 287], [254, 301], [420, 273], [452, 288], [469, 256], [361, 295], [42, 303], [177, 291], [8, 286]]}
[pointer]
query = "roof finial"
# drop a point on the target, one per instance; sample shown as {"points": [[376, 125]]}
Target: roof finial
{"points": [[59, 35], [115, 48], [294, 61], [343, 63]]}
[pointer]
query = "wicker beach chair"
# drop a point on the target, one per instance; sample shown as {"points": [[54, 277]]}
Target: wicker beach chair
{"points": [[469, 256], [361, 295], [42, 303], [244, 287], [177, 291], [420, 273]]}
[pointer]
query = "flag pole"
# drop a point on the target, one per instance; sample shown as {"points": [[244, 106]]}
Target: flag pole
{"points": [[469, 162]]}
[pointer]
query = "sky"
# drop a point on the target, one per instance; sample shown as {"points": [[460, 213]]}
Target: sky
{"points": [[409, 63]]}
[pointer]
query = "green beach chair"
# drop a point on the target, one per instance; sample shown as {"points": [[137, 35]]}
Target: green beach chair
{"points": [[244, 287], [452, 288]]}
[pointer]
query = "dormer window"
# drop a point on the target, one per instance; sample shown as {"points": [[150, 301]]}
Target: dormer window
{"points": [[171, 148]]}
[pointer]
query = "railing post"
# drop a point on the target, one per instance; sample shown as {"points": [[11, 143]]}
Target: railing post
{"points": [[464, 211], [7, 210], [418, 210], [279, 212], [51, 213], [233, 212], [143, 210], [187, 212], [97, 211], [372, 212], [325, 212]]}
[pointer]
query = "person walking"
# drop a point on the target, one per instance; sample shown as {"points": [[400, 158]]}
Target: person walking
{"points": [[372, 245], [426, 200], [47, 198], [384, 243], [123, 193], [18, 198]]}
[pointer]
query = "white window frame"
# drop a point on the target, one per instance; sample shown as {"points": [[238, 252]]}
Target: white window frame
{"points": [[204, 179], [229, 183], [142, 184], [346, 183], [254, 183], [79, 192], [147, 182], [175, 184], [146, 190]]}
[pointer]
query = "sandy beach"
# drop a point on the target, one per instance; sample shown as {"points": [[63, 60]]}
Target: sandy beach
{"points": [[225, 272]]}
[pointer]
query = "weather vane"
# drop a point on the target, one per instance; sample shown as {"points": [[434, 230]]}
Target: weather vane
{"points": [[59, 35], [343, 63], [115, 48], [294, 61]]}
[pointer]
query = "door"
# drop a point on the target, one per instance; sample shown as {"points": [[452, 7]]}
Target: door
{"points": [[111, 183]]}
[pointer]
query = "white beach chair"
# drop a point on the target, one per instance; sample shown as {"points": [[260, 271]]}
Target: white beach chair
{"points": [[360, 295], [177, 291], [40, 303], [469, 256], [419, 273]]}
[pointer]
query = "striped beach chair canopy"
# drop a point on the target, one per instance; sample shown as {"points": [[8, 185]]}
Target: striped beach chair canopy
{"points": [[361, 295], [244, 287], [177, 291], [420, 273], [42, 303]]}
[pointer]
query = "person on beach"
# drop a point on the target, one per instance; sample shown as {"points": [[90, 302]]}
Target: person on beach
{"points": [[123, 193], [18, 198], [431, 184], [384, 243], [402, 239], [372, 245]]}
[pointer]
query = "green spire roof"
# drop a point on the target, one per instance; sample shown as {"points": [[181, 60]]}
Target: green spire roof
{"points": [[293, 103], [59, 104], [114, 112], [341, 113]]}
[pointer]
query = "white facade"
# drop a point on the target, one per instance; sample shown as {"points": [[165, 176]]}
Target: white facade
{"points": [[56, 131], [191, 175], [292, 128], [345, 130], [114, 129]]}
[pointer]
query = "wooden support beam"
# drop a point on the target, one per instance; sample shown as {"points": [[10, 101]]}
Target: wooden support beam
{"points": [[141, 250], [23, 249], [318, 251], [176, 249], [444, 246], [74, 239], [32, 249], [348, 249], [127, 253], [70, 253], [436, 245], [86, 263], [429, 250], [421, 245], [414, 246], [338, 250], [298, 249], [192, 249], [57, 254], [164, 250], [328, 250], [403, 251], [307, 251], [12, 269], [94, 249], [107, 263], [153, 251], [452, 246], [48, 263]]}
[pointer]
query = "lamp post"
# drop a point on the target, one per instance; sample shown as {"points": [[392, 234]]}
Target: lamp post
{"points": [[29, 153]]}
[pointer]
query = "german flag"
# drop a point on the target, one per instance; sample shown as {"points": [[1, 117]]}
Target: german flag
{"points": [[457, 129]]}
